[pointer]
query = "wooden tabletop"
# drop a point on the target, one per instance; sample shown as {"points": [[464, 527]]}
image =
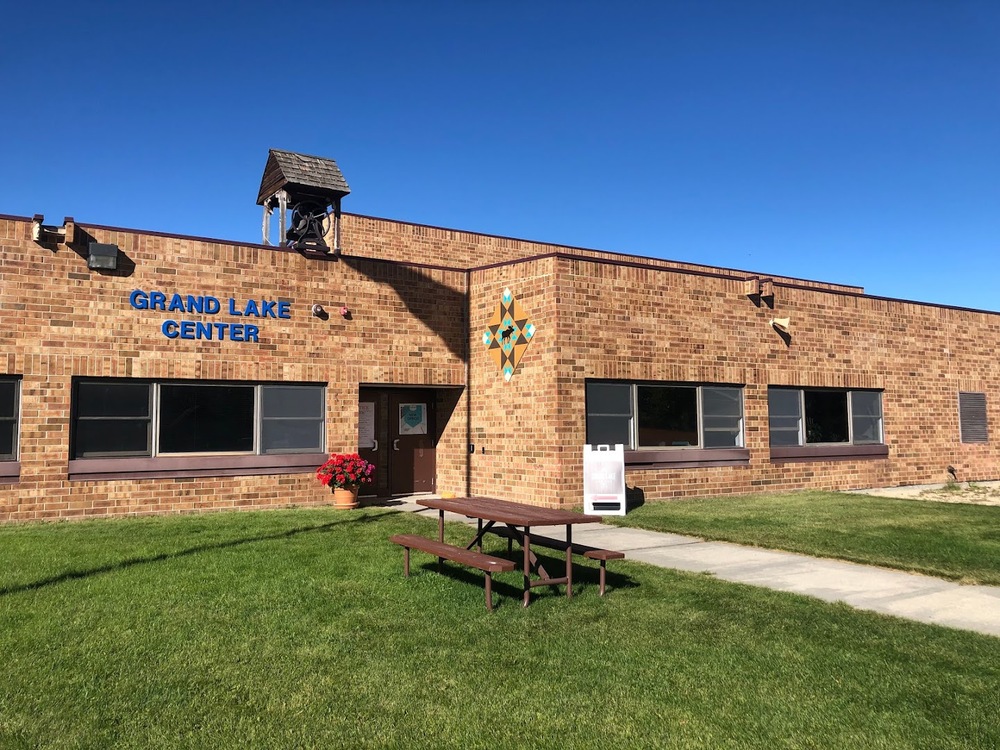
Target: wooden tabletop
{"points": [[504, 511]]}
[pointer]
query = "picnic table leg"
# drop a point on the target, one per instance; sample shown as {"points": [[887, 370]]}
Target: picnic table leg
{"points": [[478, 539], [526, 544], [569, 561], [440, 535], [489, 591], [406, 561]]}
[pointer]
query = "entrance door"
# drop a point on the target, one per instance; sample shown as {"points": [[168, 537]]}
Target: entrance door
{"points": [[370, 444], [397, 433]]}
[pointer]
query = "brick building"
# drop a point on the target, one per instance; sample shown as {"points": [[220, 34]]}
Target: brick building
{"points": [[208, 374]]}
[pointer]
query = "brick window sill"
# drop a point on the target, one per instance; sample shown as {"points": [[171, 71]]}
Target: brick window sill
{"points": [[686, 458], [173, 467], [10, 472], [801, 453]]}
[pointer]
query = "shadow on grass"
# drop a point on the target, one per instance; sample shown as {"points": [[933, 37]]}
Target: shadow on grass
{"points": [[588, 575], [125, 564], [585, 577]]}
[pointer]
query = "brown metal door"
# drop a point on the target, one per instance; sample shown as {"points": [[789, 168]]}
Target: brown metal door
{"points": [[372, 439], [411, 429], [396, 432]]}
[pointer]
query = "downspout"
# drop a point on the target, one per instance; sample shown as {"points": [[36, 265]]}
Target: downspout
{"points": [[468, 383]]}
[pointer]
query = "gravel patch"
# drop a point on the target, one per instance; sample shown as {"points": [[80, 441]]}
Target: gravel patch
{"points": [[973, 493]]}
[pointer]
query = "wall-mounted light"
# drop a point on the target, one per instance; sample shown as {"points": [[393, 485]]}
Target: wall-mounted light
{"points": [[318, 310], [345, 312], [102, 256], [782, 324]]}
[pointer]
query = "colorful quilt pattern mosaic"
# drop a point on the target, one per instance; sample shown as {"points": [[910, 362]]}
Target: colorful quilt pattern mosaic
{"points": [[508, 335]]}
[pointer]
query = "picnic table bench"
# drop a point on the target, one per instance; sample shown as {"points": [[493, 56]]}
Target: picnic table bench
{"points": [[486, 563], [592, 553], [516, 521]]}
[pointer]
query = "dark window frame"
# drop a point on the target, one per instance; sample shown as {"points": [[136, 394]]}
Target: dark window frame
{"points": [[79, 422], [152, 462], [675, 456], [171, 439], [266, 422], [12, 422], [10, 463], [852, 448]]}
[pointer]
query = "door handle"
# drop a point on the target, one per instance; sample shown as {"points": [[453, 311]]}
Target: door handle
{"points": [[374, 446], [395, 444]]}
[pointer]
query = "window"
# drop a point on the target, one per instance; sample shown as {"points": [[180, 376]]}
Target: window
{"points": [[784, 409], [972, 418], [293, 419], [798, 417], [113, 419], [609, 414], [123, 418], [866, 417], [197, 418], [667, 416], [661, 416], [10, 391], [722, 417]]}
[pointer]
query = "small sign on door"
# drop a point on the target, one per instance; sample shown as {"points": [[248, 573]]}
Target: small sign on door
{"points": [[366, 424], [413, 419]]}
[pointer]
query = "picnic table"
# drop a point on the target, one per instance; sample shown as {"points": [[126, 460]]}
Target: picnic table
{"points": [[516, 522]]}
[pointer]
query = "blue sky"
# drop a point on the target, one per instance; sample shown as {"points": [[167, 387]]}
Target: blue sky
{"points": [[854, 142]]}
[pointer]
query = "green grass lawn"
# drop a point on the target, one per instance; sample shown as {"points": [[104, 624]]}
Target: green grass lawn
{"points": [[296, 628], [948, 540]]}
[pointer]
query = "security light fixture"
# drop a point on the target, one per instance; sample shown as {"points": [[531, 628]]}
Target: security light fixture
{"points": [[781, 324], [102, 256]]}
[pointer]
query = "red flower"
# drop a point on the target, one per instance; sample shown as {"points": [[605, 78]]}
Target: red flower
{"points": [[345, 470]]}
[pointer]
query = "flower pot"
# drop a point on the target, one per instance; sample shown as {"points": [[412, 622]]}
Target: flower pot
{"points": [[345, 497]]}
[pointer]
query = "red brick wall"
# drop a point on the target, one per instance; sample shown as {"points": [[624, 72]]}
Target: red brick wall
{"points": [[515, 423], [61, 320], [418, 243], [413, 324], [637, 324]]}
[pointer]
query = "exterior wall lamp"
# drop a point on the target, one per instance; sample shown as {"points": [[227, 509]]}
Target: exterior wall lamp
{"points": [[102, 256]]}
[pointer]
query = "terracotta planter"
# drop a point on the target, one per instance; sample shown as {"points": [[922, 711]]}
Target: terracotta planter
{"points": [[345, 498]]}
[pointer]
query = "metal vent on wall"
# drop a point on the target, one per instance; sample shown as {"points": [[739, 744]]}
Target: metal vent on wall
{"points": [[972, 418]]}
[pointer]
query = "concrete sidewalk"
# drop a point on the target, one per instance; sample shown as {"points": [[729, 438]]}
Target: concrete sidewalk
{"points": [[907, 595]]}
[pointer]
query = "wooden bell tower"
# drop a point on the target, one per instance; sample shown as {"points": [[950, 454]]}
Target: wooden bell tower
{"points": [[306, 190]]}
